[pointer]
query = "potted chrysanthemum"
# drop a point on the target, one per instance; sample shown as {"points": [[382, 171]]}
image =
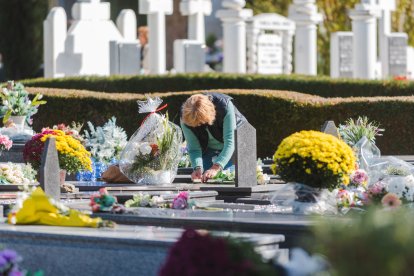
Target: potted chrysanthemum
{"points": [[316, 159], [72, 154]]}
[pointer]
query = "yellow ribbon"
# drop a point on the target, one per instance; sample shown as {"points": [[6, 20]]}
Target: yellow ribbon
{"points": [[37, 209]]}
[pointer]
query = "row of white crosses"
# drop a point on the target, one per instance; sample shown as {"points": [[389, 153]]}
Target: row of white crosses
{"points": [[84, 48], [354, 54]]}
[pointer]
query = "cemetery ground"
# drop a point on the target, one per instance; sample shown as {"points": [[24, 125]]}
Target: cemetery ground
{"points": [[141, 241]]}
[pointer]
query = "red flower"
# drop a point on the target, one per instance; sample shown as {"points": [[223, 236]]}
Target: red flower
{"points": [[154, 149]]}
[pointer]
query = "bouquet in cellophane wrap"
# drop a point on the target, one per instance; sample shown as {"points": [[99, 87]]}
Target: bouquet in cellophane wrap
{"points": [[152, 154]]}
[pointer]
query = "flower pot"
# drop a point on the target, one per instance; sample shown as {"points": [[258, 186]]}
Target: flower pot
{"points": [[62, 174], [18, 120]]}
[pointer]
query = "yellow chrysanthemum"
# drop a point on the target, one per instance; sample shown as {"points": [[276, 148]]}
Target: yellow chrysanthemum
{"points": [[314, 158]]}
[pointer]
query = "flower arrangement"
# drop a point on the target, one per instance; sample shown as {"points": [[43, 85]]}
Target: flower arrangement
{"points": [[104, 202], [314, 158], [35, 207], [15, 102], [152, 154], [17, 174], [180, 202], [72, 130], [198, 253], [145, 200], [72, 154], [352, 131], [5, 143], [9, 264], [156, 155], [106, 142], [359, 178]]}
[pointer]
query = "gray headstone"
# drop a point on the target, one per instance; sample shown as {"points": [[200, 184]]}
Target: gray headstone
{"points": [[397, 51], [245, 155], [49, 170], [329, 127]]}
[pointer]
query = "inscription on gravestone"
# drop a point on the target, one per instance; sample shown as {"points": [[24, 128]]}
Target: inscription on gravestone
{"points": [[329, 127], [397, 51], [245, 155], [270, 54], [49, 170]]}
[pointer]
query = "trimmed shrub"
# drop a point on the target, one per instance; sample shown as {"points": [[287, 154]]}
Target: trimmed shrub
{"points": [[275, 114], [322, 86]]}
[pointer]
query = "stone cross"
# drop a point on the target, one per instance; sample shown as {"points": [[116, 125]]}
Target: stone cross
{"points": [[364, 27], [329, 127], [245, 155], [156, 11], [306, 16], [196, 10], [49, 170], [233, 17]]}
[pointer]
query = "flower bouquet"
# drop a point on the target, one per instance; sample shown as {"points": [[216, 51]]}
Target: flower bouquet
{"points": [[106, 142], [15, 102], [17, 174], [151, 156], [72, 154]]}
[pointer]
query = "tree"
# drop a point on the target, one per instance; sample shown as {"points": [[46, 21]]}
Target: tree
{"points": [[21, 32]]}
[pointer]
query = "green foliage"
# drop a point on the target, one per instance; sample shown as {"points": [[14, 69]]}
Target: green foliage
{"points": [[21, 32], [15, 102], [269, 6], [352, 131], [322, 86], [379, 243], [281, 113], [403, 19]]}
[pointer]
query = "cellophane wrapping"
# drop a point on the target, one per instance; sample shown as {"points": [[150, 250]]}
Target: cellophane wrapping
{"points": [[152, 154]]}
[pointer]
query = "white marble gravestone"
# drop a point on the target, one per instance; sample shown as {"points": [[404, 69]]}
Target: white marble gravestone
{"points": [[269, 44], [85, 48], [156, 10], [396, 59], [189, 56], [305, 14], [233, 17], [341, 55], [196, 10]]}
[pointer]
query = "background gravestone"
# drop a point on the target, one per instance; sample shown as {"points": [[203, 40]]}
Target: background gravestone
{"points": [[245, 155], [49, 170], [329, 127]]}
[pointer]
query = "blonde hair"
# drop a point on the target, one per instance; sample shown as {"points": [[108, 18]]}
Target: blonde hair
{"points": [[198, 110]]}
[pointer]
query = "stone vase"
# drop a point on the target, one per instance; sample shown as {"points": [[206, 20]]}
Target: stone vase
{"points": [[18, 120]]}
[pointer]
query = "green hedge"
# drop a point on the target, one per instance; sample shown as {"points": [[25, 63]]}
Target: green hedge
{"points": [[275, 114], [322, 86]]}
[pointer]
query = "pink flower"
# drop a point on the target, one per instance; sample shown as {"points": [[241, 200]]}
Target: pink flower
{"points": [[391, 200], [359, 177], [180, 201], [5, 142], [377, 188]]}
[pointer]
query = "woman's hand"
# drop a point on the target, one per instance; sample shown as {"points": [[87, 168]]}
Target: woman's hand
{"points": [[211, 173], [197, 174]]}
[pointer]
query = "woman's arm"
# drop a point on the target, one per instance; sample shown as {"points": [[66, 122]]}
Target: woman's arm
{"points": [[229, 125], [193, 145]]}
